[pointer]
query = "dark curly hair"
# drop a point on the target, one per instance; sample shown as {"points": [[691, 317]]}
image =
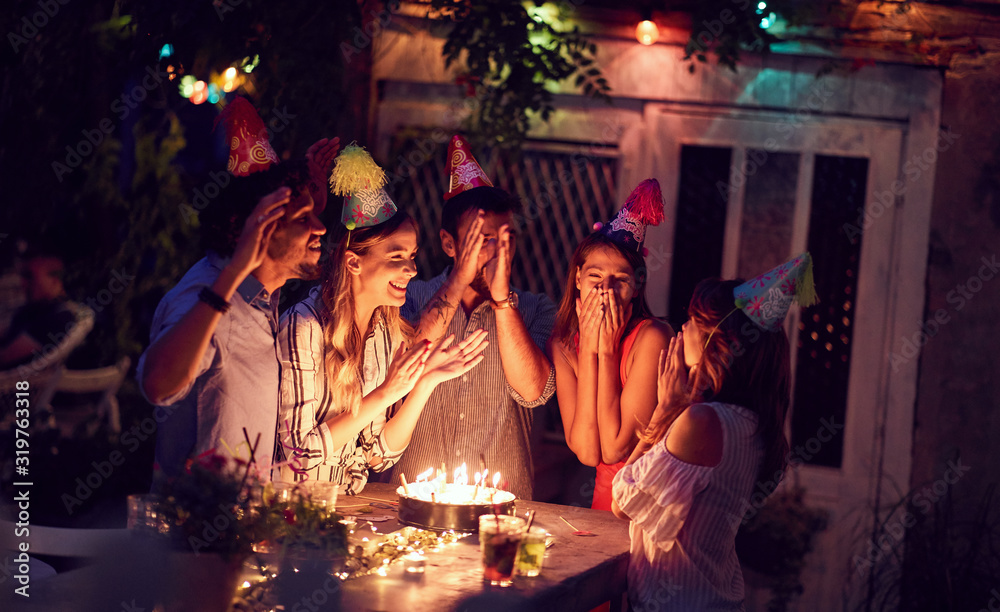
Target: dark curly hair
{"points": [[487, 199], [222, 220]]}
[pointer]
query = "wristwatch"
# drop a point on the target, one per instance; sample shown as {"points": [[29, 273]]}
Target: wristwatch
{"points": [[510, 302]]}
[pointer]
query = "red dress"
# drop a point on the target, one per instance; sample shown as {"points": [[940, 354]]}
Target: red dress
{"points": [[606, 472]]}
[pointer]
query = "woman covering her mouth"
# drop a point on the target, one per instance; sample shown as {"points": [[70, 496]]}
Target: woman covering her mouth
{"points": [[352, 390]]}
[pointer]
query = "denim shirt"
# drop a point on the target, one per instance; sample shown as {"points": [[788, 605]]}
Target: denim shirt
{"points": [[237, 384]]}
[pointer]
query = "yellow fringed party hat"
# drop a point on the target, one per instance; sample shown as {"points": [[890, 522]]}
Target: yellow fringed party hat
{"points": [[360, 180]]}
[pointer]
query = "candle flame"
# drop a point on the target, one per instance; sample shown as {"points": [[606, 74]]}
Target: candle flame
{"points": [[425, 475], [461, 475], [496, 479]]}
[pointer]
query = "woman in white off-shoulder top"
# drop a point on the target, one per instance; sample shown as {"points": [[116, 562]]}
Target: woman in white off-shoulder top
{"points": [[723, 392]]}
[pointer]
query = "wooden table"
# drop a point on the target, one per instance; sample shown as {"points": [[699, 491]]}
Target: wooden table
{"points": [[579, 572]]}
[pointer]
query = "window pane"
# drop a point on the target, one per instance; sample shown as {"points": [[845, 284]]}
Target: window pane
{"points": [[768, 210], [701, 223], [823, 357]]}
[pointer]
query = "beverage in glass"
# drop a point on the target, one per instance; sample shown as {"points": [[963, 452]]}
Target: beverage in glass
{"points": [[531, 554], [499, 541]]}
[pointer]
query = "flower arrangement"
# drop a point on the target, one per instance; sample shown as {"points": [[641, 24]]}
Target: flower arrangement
{"points": [[208, 507], [303, 524]]}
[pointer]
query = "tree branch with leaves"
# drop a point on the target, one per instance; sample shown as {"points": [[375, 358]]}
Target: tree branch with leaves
{"points": [[513, 57]]}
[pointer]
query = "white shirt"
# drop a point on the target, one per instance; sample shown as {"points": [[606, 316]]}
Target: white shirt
{"points": [[685, 518]]}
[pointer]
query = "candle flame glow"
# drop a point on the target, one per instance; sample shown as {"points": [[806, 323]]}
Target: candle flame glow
{"points": [[461, 475]]}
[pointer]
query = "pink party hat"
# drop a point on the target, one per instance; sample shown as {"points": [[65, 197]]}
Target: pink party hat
{"points": [[643, 207]]}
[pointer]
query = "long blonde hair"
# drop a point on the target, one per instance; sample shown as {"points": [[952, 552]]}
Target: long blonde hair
{"points": [[343, 341]]}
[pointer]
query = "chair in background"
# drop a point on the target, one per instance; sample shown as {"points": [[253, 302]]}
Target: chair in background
{"points": [[42, 373], [106, 381]]}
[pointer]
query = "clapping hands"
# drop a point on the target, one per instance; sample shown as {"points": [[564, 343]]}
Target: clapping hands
{"points": [[447, 362], [405, 370]]}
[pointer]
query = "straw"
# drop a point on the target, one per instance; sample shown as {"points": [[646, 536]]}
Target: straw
{"points": [[567, 522], [531, 519]]}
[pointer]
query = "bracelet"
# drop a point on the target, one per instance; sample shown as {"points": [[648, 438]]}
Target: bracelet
{"points": [[214, 300]]}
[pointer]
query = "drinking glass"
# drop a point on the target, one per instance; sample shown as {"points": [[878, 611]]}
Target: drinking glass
{"points": [[145, 515], [499, 541], [531, 554], [323, 493]]}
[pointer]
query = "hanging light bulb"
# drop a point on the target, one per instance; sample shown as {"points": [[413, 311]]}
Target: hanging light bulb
{"points": [[646, 32]]}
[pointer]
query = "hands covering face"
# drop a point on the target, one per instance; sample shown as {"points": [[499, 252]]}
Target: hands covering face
{"points": [[672, 381], [602, 321], [481, 257]]}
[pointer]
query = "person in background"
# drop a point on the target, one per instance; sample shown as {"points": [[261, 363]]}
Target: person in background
{"points": [[46, 316], [351, 392], [484, 416], [212, 364], [723, 393], [606, 342]]}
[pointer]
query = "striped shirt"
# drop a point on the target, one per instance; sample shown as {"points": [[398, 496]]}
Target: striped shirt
{"points": [[306, 403], [478, 413], [684, 520]]}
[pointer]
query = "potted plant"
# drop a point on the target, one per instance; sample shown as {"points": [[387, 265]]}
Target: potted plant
{"points": [[304, 543], [773, 543], [208, 517]]}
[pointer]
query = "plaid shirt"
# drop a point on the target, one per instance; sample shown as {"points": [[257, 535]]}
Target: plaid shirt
{"points": [[478, 413]]}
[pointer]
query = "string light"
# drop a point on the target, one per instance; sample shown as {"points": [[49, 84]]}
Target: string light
{"points": [[767, 20], [646, 32], [249, 63], [187, 85], [229, 79], [200, 93]]}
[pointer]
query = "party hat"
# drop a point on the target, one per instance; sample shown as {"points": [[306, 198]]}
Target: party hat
{"points": [[249, 150], [464, 172], [643, 207], [766, 298], [360, 180]]}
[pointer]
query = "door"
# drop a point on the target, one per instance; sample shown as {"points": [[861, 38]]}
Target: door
{"points": [[744, 192]]}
